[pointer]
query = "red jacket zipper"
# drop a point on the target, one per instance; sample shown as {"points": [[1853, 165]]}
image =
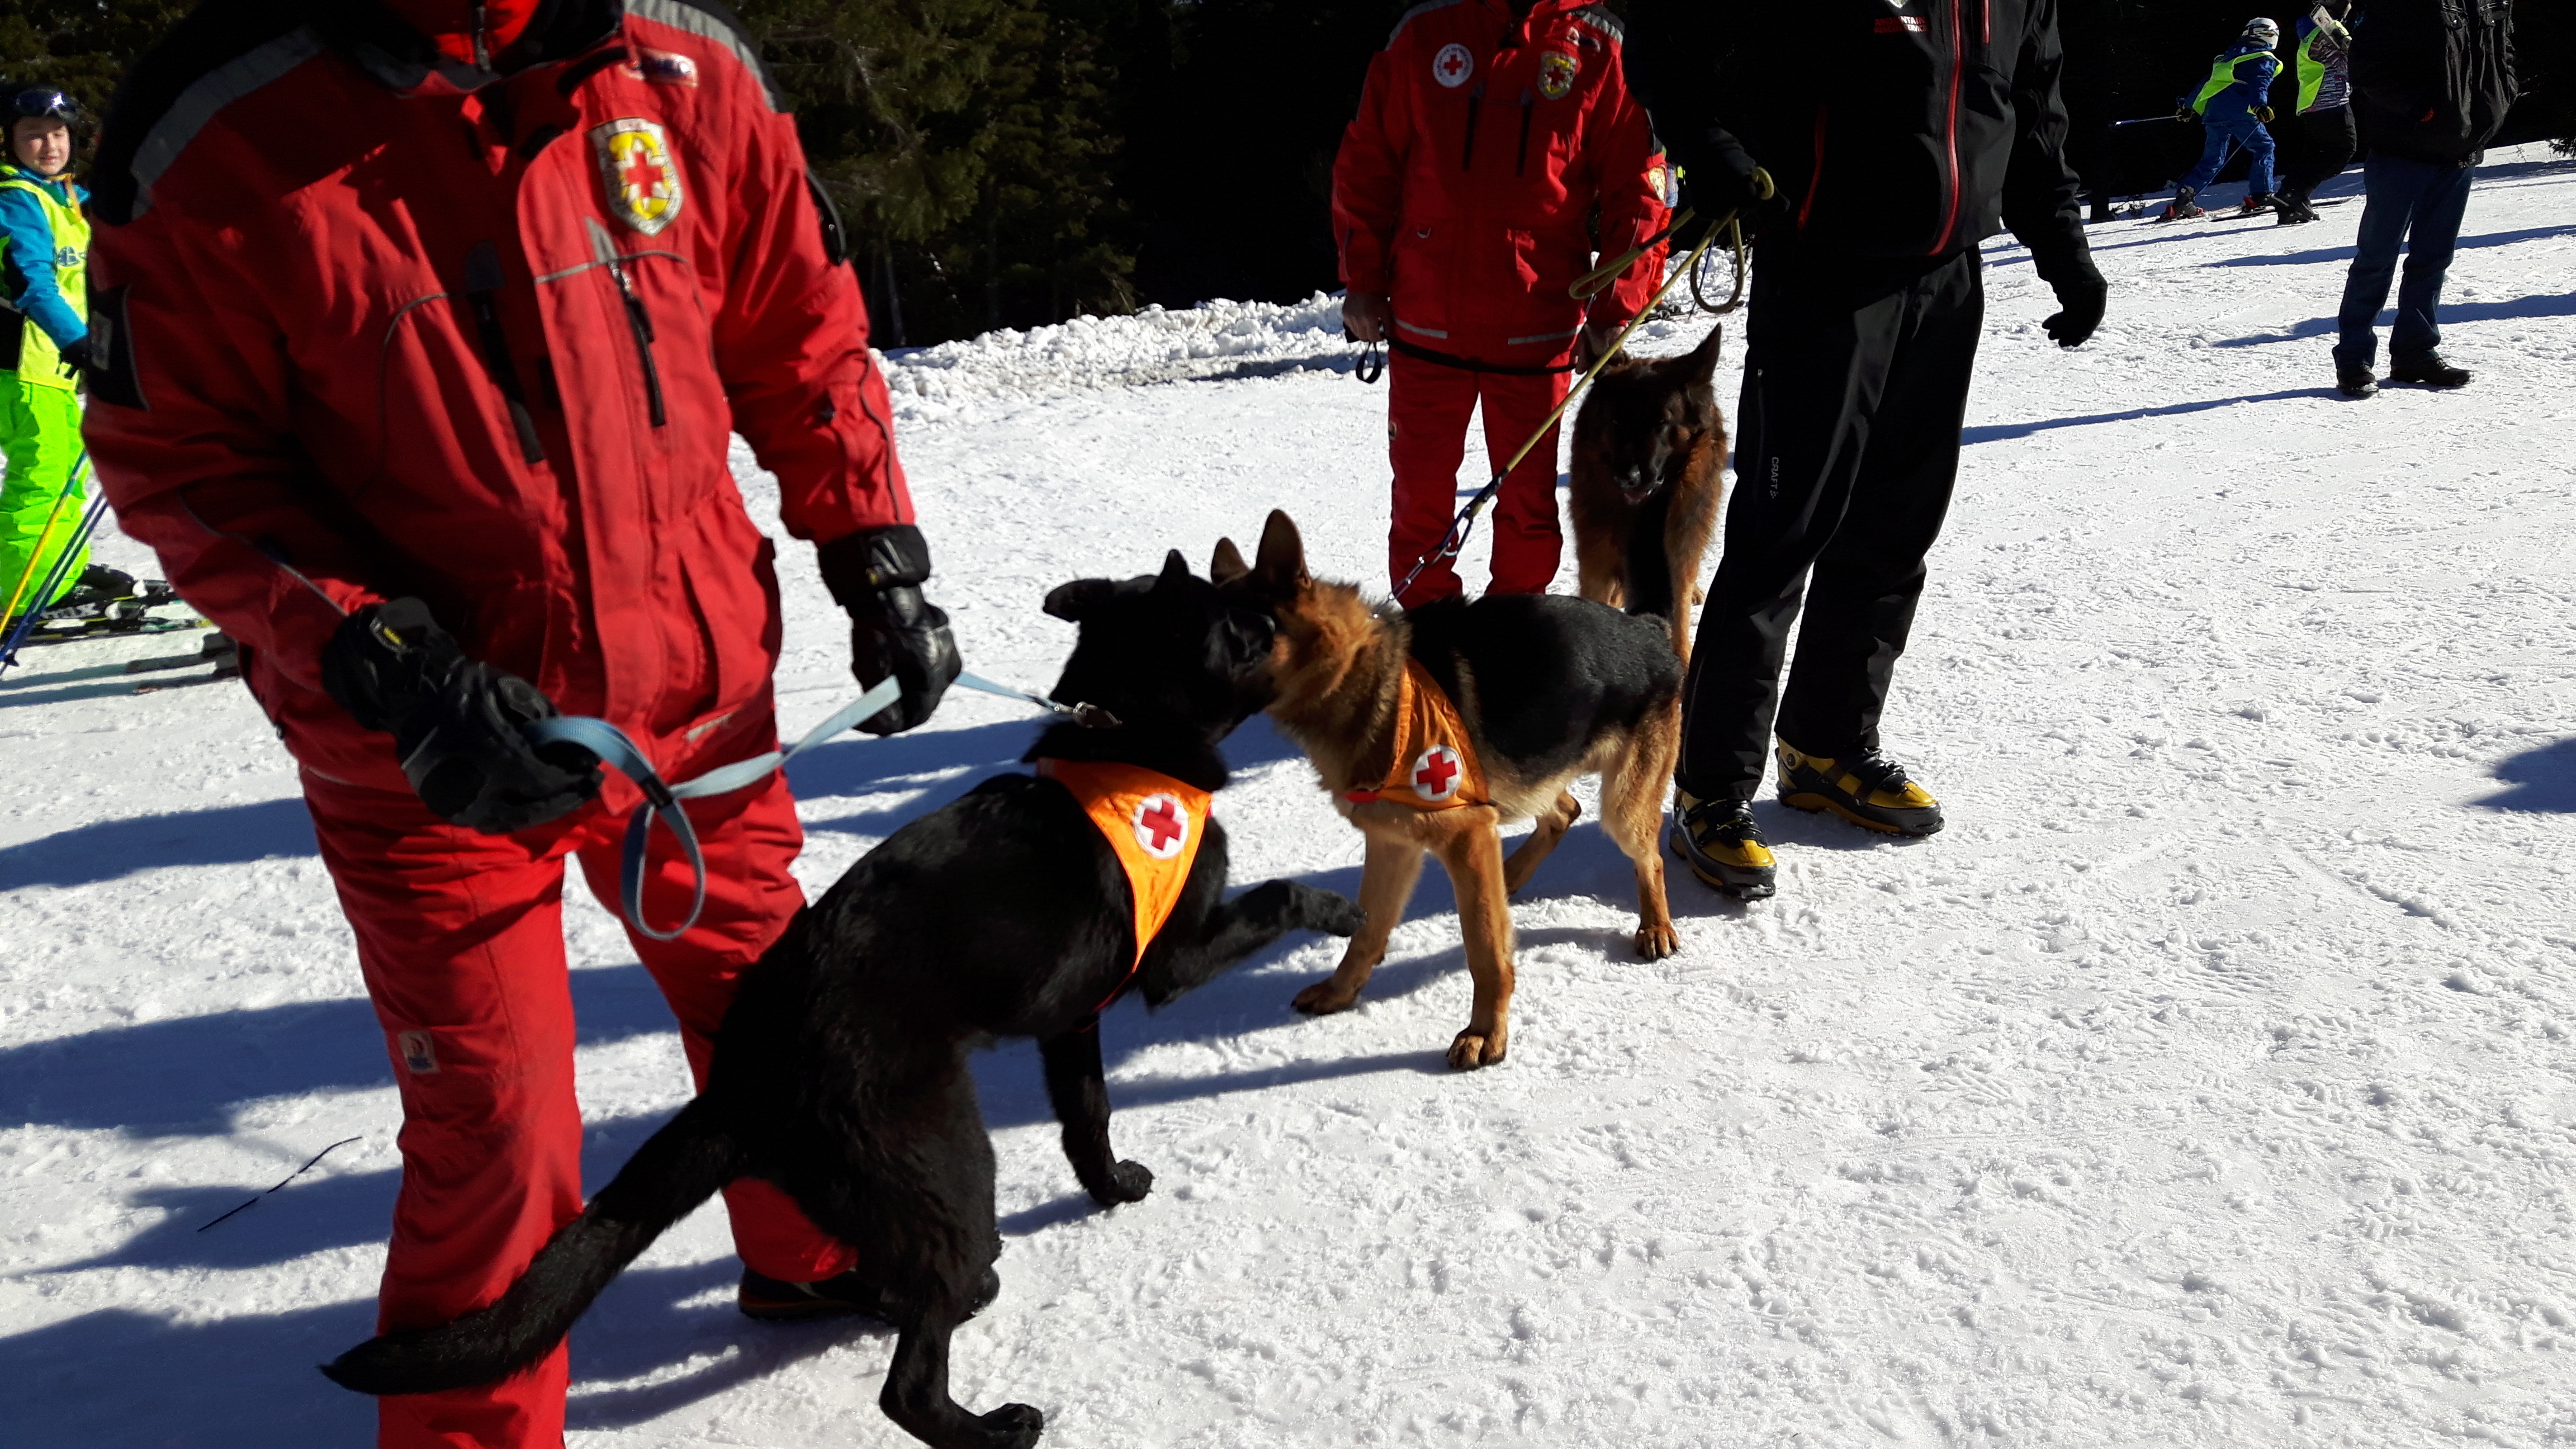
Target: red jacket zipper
{"points": [[1950, 133]]}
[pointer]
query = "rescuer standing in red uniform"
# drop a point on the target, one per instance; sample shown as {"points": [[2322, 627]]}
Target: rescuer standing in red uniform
{"points": [[1463, 199], [419, 330]]}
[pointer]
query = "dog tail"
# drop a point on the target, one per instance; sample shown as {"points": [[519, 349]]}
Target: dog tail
{"points": [[678, 1168], [1650, 569]]}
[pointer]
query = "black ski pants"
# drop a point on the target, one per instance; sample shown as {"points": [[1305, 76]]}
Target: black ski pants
{"points": [[1847, 444], [2326, 144]]}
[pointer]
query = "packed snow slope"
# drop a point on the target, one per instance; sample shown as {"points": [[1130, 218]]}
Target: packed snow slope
{"points": [[2209, 1081]]}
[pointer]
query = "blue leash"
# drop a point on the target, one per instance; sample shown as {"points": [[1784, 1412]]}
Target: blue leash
{"points": [[662, 799]]}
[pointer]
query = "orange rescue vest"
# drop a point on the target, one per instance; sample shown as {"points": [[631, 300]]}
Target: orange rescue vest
{"points": [[1152, 821], [1433, 764]]}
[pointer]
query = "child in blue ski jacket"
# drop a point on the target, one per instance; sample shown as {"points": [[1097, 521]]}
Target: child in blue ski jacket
{"points": [[2234, 103], [44, 348]]}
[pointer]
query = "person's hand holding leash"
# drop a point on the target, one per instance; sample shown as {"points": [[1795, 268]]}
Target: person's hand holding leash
{"points": [[876, 575], [1366, 315], [455, 722]]}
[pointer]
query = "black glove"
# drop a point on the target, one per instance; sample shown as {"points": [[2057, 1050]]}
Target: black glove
{"points": [[876, 575], [455, 722], [1727, 180], [2081, 297], [77, 359]]}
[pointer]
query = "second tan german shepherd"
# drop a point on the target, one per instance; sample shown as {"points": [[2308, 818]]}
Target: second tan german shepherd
{"points": [[1649, 471], [1544, 687]]}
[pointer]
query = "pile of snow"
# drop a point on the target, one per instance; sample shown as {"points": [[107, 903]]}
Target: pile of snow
{"points": [[1010, 368], [2207, 1082]]}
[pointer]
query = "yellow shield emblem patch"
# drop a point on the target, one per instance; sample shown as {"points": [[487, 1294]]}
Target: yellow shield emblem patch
{"points": [[1556, 72], [637, 172]]}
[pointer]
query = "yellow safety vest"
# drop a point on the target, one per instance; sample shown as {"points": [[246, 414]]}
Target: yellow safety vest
{"points": [[39, 360]]}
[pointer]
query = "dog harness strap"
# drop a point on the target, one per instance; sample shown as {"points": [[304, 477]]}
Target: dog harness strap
{"points": [[662, 801], [1433, 763], [1153, 823]]}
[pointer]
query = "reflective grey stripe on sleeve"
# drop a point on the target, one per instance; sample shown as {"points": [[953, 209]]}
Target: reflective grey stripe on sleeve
{"points": [[1542, 337], [680, 15], [1425, 8], [211, 92], [1425, 331]]}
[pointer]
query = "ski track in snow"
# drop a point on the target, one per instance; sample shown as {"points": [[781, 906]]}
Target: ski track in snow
{"points": [[2207, 1082]]}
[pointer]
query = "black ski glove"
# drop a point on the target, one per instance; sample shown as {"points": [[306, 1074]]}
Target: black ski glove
{"points": [[77, 359], [2081, 297], [455, 722], [1727, 180], [876, 574]]}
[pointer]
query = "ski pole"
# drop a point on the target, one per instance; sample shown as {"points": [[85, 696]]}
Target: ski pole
{"points": [[44, 535], [53, 581]]}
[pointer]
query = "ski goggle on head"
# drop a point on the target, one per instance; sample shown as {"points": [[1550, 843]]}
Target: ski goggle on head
{"points": [[2263, 30], [43, 102]]}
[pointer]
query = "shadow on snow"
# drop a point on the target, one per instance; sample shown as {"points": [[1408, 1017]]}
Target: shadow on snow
{"points": [[2542, 780]]}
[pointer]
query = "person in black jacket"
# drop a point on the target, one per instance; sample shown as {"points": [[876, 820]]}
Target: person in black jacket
{"points": [[1944, 127], [2431, 82]]}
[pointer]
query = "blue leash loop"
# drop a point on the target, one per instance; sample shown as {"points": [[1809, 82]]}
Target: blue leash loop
{"points": [[662, 799]]}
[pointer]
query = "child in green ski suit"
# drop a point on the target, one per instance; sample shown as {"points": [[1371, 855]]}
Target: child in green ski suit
{"points": [[44, 346]]}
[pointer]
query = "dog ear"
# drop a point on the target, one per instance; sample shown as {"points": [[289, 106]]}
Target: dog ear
{"points": [[1281, 565], [1704, 357], [1070, 601], [1176, 570], [1228, 565]]}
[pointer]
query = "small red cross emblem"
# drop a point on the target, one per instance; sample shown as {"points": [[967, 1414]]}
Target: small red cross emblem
{"points": [[1436, 774], [643, 171], [1162, 826], [1452, 65]]}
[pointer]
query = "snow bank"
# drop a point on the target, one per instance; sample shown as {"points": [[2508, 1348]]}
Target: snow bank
{"points": [[1009, 368]]}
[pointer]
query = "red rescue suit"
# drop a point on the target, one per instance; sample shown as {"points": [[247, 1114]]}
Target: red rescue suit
{"points": [[473, 320], [1466, 190]]}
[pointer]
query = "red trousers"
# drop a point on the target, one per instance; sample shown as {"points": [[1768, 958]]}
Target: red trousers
{"points": [[1427, 407], [460, 936]]}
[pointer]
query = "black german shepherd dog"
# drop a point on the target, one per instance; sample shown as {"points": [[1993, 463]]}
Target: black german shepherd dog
{"points": [[840, 1073]]}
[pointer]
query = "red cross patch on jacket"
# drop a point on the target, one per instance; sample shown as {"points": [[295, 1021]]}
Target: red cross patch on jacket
{"points": [[1151, 820], [1433, 763]]}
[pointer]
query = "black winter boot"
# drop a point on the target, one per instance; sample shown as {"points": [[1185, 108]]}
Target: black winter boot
{"points": [[2428, 370]]}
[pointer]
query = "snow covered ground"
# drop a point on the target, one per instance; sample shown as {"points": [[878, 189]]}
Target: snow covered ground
{"points": [[2207, 1082]]}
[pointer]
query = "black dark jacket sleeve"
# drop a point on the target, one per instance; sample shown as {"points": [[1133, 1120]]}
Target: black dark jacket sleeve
{"points": [[2040, 196], [2432, 79]]}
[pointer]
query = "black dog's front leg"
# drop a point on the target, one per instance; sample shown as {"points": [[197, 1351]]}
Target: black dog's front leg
{"points": [[1081, 1101], [1249, 922], [916, 1393]]}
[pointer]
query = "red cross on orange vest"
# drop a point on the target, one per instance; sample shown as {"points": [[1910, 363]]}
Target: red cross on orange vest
{"points": [[1432, 761], [1152, 821]]}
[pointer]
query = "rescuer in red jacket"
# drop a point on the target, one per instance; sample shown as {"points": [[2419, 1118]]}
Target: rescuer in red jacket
{"points": [[1463, 202], [420, 328]]}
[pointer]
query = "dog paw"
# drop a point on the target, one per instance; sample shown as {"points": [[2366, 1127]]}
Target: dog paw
{"points": [[1012, 1426], [1654, 943], [1324, 998], [1341, 918], [1472, 1049], [1128, 1182]]}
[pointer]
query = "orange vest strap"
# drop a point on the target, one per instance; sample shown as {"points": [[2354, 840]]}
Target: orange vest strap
{"points": [[1434, 763], [1152, 821]]}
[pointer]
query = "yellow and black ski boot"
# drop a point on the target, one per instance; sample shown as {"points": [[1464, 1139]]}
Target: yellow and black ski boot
{"points": [[1867, 789], [1722, 846]]}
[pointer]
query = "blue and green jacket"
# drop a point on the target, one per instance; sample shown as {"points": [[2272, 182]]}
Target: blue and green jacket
{"points": [[2240, 80], [27, 255]]}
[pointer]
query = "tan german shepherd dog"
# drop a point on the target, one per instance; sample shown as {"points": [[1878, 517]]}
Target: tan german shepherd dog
{"points": [[1649, 472], [1545, 687]]}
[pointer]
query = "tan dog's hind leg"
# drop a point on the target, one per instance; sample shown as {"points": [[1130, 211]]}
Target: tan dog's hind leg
{"points": [[1471, 850], [1387, 877], [1632, 813], [1552, 825]]}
